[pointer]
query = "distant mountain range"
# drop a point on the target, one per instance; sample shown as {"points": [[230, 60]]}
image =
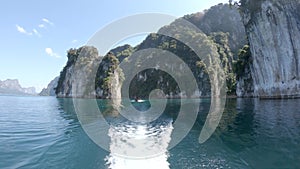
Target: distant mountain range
{"points": [[13, 87]]}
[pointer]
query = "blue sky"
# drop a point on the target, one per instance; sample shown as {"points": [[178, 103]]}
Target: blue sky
{"points": [[35, 34]]}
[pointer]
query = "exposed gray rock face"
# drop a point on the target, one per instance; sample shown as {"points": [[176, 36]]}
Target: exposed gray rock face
{"points": [[243, 66], [76, 75], [50, 90], [12, 86], [273, 29], [88, 75], [244, 86], [109, 76], [227, 19]]}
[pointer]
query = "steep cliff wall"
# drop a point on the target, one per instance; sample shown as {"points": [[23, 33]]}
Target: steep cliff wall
{"points": [[222, 18], [243, 66], [50, 90], [273, 29], [109, 77], [222, 27], [222, 36], [88, 75], [79, 65]]}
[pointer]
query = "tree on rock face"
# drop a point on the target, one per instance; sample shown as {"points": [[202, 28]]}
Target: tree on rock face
{"points": [[226, 58], [105, 76], [81, 60], [222, 18], [215, 35], [244, 59]]}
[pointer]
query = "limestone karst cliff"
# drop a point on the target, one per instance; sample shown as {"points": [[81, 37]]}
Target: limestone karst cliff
{"points": [[221, 27], [87, 75], [222, 18], [258, 47], [273, 30], [221, 34], [80, 62], [50, 89]]}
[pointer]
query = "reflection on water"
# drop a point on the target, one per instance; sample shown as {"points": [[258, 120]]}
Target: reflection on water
{"points": [[130, 143], [136, 145], [236, 128], [44, 132]]}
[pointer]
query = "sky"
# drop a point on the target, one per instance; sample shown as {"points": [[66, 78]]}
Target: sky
{"points": [[35, 34]]}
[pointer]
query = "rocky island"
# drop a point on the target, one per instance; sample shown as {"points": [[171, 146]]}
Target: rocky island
{"points": [[257, 43]]}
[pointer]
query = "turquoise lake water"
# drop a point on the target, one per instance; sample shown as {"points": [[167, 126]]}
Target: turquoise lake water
{"points": [[44, 132]]}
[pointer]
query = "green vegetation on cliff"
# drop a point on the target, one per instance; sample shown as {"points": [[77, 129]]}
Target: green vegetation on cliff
{"points": [[244, 60], [221, 36], [105, 73], [72, 55]]}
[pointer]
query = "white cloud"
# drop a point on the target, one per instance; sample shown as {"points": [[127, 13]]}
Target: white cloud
{"points": [[36, 30], [50, 52], [41, 26], [47, 21], [36, 33], [74, 41], [22, 30]]}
